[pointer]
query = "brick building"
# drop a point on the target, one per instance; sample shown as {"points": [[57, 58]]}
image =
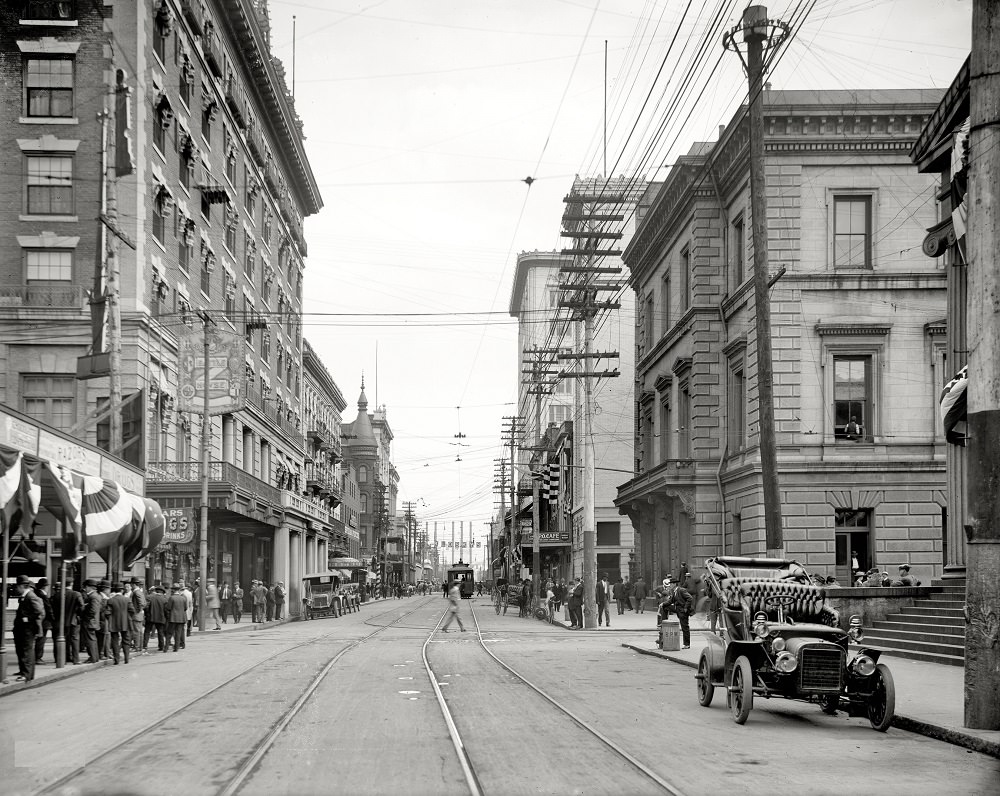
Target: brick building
{"points": [[857, 333]]}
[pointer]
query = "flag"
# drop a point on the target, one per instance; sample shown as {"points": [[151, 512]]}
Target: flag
{"points": [[146, 530], [550, 482], [10, 482], [107, 512], [960, 179], [954, 408]]}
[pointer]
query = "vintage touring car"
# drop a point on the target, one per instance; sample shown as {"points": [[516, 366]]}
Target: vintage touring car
{"points": [[780, 638]]}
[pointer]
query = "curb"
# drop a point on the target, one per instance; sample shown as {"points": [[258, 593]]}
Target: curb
{"points": [[935, 731]]}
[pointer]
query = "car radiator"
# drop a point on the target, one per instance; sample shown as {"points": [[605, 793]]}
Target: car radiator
{"points": [[821, 669]]}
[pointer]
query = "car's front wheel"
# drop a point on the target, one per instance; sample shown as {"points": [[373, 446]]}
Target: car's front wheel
{"points": [[741, 690], [882, 702], [704, 679]]}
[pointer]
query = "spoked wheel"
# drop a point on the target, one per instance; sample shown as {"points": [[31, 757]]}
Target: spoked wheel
{"points": [[704, 679], [882, 702], [741, 690]]}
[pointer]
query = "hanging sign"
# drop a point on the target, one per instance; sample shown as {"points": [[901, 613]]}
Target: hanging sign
{"points": [[226, 371], [179, 527]]}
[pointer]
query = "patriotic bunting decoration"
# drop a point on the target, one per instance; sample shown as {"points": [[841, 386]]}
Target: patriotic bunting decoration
{"points": [[960, 179], [954, 408], [107, 513], [10, 482], [146, 531]]}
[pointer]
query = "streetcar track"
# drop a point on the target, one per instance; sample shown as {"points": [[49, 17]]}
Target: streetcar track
{"points": [[465, 760], [245, 769]]}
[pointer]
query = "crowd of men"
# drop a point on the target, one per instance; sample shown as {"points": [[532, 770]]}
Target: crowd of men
{"points": [[114, 621]]}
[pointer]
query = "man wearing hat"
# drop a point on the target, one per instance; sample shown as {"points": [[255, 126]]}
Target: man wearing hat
{"points": [[66, 613], [212, 602], [177, 617], [136, 612], [90, 619], [103, 636], [27, 627], [118, 621], [156, 619], [905, 578], [42, 590]]}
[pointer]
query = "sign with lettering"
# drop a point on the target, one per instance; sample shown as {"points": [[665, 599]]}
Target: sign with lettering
{"points": [[69, 454], [18, 434], [226, 371], [179, 525]]}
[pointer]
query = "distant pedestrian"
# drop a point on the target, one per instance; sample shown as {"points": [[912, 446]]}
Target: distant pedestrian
{"points": [[195, 607], [185, 592], [268, 603], [119, 624], [137, 613], [42, 590], [212, 603], [602, 599], [682, 604], [618, 592], [525, 597], [103, 636], [237, 603], [28, 621], [225, 600], [639, 593], [66, 613], [454, 595], [258, 596], [550, 601], [177, 617], [90, 620], [156, 619], [279, 600], [576, 604]]}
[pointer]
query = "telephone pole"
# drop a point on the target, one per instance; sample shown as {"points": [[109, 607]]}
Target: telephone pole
{"points": [[583, 283], [760, 34], [982, 653], [514, 425]]}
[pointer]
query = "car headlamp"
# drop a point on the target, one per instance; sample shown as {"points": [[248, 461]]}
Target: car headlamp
{"points": [[778, 644], [786, 662], [863, 665], [760, 629], [856, 631]]}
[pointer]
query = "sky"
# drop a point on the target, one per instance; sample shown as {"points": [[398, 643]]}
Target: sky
{"points": [[424, 117]]}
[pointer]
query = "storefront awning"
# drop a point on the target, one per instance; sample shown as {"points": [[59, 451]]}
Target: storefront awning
{"points": [[344, 562]]}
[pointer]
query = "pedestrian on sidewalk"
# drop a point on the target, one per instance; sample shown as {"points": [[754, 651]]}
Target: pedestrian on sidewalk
{"points": [[683, 606], [454, 595], [279, 600], [618, 592], [602, 599], [119, 623], [137, 613], [103, 636], [42, 590], [185, 592], [258, 594], [177, 617], [237, 603], [576, 604], [68, 618], [225, 600], [156, 619], [639, 593], [90, 620], [28, 621], [268, 603], [212, 602], [630, 594], [195, 607]]}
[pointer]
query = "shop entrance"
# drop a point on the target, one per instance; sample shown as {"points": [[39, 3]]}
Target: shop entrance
{"points": [[853, 543]]}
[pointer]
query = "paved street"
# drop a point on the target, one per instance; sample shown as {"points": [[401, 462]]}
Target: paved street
{"points": [[222, 717]]}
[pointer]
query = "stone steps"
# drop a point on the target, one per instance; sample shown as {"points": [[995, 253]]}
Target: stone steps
{"points": [[932, 629]]}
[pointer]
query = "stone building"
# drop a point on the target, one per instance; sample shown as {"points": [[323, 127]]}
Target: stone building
{"points": [[172, 123], [857, 333]]}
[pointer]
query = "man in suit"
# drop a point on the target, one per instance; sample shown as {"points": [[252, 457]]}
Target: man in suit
{"points": [[618, 591], [42, 590], [225, 600], [66, 614], [279, 600], [237, 603], [177, 617], [90, 619], [602, 600], [639, 594], [103, 637], [119, 623], [576, 604], [137, 612], [156, 619], [28, 622]]}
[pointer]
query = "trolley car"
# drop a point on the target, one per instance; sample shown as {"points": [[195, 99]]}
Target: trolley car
{"points": [[466, 578]]}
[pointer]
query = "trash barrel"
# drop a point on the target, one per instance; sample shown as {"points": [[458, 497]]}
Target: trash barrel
{"points": [[670, 635]]}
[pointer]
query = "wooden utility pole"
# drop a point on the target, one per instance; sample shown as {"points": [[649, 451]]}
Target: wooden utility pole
{"points": [[760, 34], [206, 444], [982, 598]]}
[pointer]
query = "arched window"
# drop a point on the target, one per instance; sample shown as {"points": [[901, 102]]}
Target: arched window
{"points": [[363, 475], [364, 503]]}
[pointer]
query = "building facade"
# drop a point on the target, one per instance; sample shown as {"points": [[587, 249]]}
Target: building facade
{"points": [[857, 335], [170, 122]]}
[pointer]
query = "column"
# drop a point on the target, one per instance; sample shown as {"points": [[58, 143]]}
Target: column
{"points": [[295, 573], [229, 439], [280, 551]]}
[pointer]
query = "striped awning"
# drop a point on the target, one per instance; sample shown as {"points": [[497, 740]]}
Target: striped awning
{"points": [[214, 193]]}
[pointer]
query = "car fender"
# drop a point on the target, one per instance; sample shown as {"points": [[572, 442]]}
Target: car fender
{"points": [[753, 650], [715, 653]]}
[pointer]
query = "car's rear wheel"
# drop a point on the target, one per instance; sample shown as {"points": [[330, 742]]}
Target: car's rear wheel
{"points": [[882, 702], [741, 690], [704, 679]]}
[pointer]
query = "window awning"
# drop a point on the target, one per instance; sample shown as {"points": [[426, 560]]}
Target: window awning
{"points": [[214, 193]]}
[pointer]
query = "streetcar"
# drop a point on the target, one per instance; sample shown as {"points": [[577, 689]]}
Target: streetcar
{"points": [[466, 578]]}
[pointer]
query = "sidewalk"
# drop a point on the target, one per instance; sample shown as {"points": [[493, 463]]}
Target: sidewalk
{"points": [[929, 696]]}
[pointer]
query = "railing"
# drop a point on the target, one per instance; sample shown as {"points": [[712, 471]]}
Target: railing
{"points": [[292, 501], [62, 296], [219, 472], [258, 401]]}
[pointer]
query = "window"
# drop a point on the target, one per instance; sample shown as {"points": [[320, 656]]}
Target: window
{"points": [[364, 503], [684, 421], [249, 254], [852, 398], [49, 9], [161, 32], [665, 428], [48, 266], [159, 217], [362, 474], [650, 311], [50, 185], [852, 225], [164, 119], [737, 407], [647, 439], [48, 87], [609, 533], [51, 399], [185, 241], [207, 266], [737, 252], [685, 265], [665, 301], [559, 413]]}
